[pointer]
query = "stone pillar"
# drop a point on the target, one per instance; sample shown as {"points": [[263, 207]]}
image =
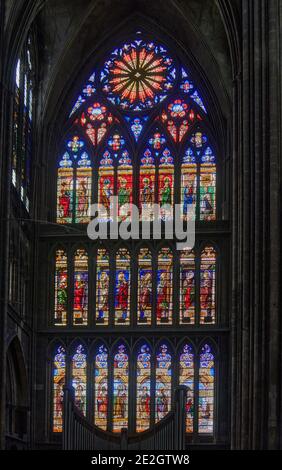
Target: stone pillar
{"points": [[256, 229]]}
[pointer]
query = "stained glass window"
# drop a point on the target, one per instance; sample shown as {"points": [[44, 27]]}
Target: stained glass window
{"points": [[187, 287], [207, 285], [22, 123], [147, 186], [189, 186], [206, 391], [87, 91], [79, 378], [96, 120], [83, 189], [59, 377], [207, 186], [106, 184], [65, 190], [102, 287], [80, 301], [166, 184], [198, 179], [74, 183], [61, 288], [178, 117], [145, 287], [138, 75], [101, 387], [122, 287], [120, 389], [164, 287], [163, 383], [143, 389], [186, 377], [124, 186]]}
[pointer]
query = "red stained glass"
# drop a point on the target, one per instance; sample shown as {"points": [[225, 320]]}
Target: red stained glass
{"points": [[208, 285], [96, 122], [80, 301], [61, 288], [138, 75]]}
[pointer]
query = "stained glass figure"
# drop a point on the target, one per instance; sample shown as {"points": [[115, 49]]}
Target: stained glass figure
{"points": [[206, 391], [145, 287], [189, 186], [143, 389], [166, 185], [178, 117], [102, 287], [96, 121], [80, 301], [207, 286], [147, 186], [124, 187], [208, 186], [65, 190], [138, 75], [163, 383], [87, 91], [79, 378], [106, 182], [122, 287], [186, 377], [164, 287], [59, 377], [120, 389], [101, 388], [187, 287], [61, 288], [83, 189]]}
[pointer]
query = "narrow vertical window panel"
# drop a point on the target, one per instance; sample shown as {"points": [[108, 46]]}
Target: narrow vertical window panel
{"points": [[61, 286], [101, 388], [207, 191], [186, 377], [106, 182], [163, 383], [122, 287], [124, 187], [143, 389], [145, 287], [147, 186], [102, 287], [208, 286], [65, 191], [79, 378], [166, 185], [164, 287], [59, 378], [206, 391], [188, 188], [187, 287], [120, 390], [15, 147], [80, 301], [83, 189]]}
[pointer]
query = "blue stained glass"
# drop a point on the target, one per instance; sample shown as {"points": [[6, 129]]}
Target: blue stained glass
{"points": [[136, 125], [138, 75], [187, 86], [66, 161], [87, 91]]}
